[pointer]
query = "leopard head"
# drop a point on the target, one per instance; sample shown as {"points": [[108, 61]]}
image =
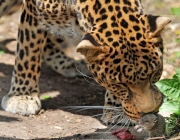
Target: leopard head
{"points": [[129, 63]]}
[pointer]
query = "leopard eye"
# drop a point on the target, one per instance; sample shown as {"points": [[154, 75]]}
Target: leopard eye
{"points": [[158, 43], [147, 122]]}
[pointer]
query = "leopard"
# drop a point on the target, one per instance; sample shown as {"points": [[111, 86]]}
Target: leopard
{"points": [[122, 46]]}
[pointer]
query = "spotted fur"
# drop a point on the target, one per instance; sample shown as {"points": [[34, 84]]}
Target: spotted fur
{"points": [[121, 44]]}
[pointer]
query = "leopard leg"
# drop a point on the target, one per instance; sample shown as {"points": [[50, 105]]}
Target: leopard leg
{"points": [[23, 97], [55, 56], [113, 112]]}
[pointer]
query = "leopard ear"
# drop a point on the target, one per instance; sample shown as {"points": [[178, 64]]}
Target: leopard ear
{"points": [[91, 49], [157, 24]]}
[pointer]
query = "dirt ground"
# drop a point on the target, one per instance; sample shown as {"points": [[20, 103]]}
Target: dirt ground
{"points": [[55, 122]]}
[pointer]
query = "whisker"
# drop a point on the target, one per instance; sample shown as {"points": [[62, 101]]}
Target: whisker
{"points": [[114, 119], [128, 125], [90, 82], [121, 113], [92, 107], [114, 125], [99, 114], [84, 76], [125, 123]]}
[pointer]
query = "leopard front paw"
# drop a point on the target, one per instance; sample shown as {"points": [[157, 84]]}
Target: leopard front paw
{"points": [[22, 104]]}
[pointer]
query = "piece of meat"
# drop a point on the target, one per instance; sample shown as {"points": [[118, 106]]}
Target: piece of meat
{"points": [[123, 134]]}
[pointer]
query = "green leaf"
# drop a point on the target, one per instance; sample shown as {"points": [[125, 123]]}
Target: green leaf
{"points": [[45, 97], [171, 106], [175, 11], [178, 40], [170, 87], [177, 53], [1, 52]]}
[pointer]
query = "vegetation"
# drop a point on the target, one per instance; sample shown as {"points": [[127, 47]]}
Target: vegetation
{"points": [[171, 89]]}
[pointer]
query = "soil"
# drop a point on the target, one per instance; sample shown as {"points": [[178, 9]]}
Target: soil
{"points": [[54, 121]]}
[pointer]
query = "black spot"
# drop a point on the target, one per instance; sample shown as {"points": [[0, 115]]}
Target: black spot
{"points": [[32, 67], [108, 33], [110, 39], [23, 16], [102, 11], [116, 32], [117, 61], [136, 28], [133, 45], [20, 82], [119, 14], [115, 44], [90, 19], [127, 2], [31, 44], [104, 17], [117, 8], [30, 20], [142, 43], [102, 27], [97, 6], [126, 55], [92, 66], [26, 82], [124, 23], [20, 68], [142, 21], [23, 75], [98, 68], [132, 38], [110, 8], [59, 40], [138, 36], [33, 58], [114, 24], [34, 78], [114, 55], [97, 35], [145, 50], [29, 75], [39, 31], [21, 54], [118, 69], [82, 1], [113, 18], [125, 9], [26, 64], [21, 36], [27, 34], [61, 62], [145, 57], [35, 22], [116, 1], [38, 69], [107, 1], [47, 6], [33, 35], [133, 19]]}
